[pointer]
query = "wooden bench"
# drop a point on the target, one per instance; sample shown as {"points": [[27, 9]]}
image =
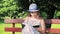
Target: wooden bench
{"points": [[52, 23], [48, 23], [13, 29]]}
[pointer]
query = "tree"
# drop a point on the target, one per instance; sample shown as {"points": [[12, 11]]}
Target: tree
{"points": [[8, 8], [47, 6], [17, 8]]}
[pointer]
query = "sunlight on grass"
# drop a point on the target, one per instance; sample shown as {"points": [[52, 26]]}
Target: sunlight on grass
{"points": [[18, 33], [2, 26], [55, 26], [18, 25], [7, 32]]}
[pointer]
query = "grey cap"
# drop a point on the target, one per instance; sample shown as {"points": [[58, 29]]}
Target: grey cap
{"points": [[33, 7]]}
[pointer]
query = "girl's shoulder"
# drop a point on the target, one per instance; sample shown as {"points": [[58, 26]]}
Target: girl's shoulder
{"points": [[41, 19]]}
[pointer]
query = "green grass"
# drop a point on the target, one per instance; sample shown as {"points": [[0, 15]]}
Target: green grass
{"points": [[55, 26], [2, 26]]}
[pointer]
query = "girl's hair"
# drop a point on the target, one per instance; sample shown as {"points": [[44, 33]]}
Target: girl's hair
{"points": [[29, 15]]}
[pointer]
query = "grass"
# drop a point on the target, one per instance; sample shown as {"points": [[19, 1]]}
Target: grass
{"points": [[2, 26], [55, 26]]}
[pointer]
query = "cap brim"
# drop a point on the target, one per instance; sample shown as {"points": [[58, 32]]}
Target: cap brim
{"points": [[33, 10]]}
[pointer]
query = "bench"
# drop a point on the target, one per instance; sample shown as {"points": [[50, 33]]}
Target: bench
{"points": [[49, 22], [13, 29], [54, 26]]}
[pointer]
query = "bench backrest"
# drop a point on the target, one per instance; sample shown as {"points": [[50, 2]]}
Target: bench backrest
{"points": [[47, 21], [53, 22]]}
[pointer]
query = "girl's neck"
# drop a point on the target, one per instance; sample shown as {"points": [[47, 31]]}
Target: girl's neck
{"points": [[36, 17]]}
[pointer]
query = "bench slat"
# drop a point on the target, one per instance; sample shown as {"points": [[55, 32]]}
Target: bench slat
{"points": [[20, 30], [49, 21], [13, 29], [13, 20], [52, 21], [53, 30]]}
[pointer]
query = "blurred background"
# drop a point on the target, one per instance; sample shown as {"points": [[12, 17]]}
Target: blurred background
{"points": [[10, 9]]}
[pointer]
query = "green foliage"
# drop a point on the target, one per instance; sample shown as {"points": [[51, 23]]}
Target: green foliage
{"points": [[44, 15], [8, 7], [57, 14], [17, 8]]}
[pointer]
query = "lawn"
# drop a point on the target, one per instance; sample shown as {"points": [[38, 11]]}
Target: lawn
{"points": [[2, 26]]}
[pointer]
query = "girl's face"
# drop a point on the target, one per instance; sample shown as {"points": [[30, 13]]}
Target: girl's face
{"points": [[34, 13]]}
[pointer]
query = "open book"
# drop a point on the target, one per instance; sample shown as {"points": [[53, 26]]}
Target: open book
{"points": [[28, 29]]}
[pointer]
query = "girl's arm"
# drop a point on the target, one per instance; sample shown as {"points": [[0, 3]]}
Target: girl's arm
{"points": [[42, 27], [26, 19]]}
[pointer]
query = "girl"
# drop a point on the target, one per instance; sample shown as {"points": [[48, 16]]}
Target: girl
{"points": [[34, 19]]}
